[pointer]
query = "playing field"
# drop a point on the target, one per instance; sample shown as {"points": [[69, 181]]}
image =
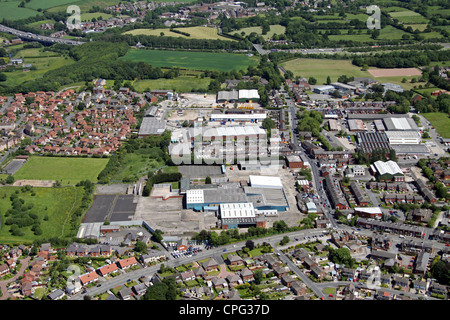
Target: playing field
{"points": [[67, 170], [322, 68], [440, 121], [192, 60]]}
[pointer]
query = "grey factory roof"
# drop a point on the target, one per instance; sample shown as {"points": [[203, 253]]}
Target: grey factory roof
{"points": [[410, 149], [400, 124], [369, 141], [152, 125]]}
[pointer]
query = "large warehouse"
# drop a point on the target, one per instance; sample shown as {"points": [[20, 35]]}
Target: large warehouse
{"points": [[265, 182], [234, 215], [403, 137], [243, 95], [400, 124], [387, 171]]}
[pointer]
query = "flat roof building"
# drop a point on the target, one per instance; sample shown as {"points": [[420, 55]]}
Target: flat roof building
{"points": [[265, 182], [151, 126], [403, 137], [235, 215]]}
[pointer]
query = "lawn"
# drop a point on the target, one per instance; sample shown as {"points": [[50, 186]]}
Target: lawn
{"points": [[322, 68], [67, 170], [56, 204], [440, 121], [191, 59], [195, 33]]}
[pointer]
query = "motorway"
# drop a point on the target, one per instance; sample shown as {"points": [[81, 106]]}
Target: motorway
{"points": [[35, 37]]}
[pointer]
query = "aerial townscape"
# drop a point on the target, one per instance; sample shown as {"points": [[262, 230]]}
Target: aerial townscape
{"points": [[240, 151]]}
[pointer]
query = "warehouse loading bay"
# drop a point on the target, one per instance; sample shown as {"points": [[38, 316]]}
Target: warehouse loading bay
{"points": [[172, 218]]}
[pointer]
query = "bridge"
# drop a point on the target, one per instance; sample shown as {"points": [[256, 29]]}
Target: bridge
{"points": [[35, 37]]}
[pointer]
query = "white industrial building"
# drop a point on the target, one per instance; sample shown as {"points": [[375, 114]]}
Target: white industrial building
{"points": [[237, 210], [238, 117], [400, 124], [265, 182], [403, 137]]}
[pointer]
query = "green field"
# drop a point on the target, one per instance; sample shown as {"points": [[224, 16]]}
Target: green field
{"points": [[195, 33], [136, 165], [274, 29], [67, 170], [191, 59], [54, 206], [408, 16], [41, 62], [440, 121], [178, 84], [322, 68], [10, 10]]}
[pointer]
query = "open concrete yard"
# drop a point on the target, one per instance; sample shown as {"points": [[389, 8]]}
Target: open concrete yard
{"points": [[169, 217]]}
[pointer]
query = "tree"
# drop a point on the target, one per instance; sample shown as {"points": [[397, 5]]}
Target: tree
{"points": [[258, 276], [140, 247], [208, 180], [268, 123], [328, 80], [312, 80], [250, 244]]}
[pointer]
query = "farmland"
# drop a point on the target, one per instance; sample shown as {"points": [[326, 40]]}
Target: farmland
{"points": [[274, 29], [191, 59], [41, 61], [194, 32], [10, 10], [53, 206], [68, 171], [322, 68]]}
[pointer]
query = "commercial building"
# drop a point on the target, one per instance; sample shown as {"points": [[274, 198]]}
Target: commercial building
{"points": [[227, 96], [235, 215], [294, 162], [265, 182], [400, 124], [251, 116], [356, 125], [151, 126], [210, 198], [370, 141], [403, 137], [324, 89], [387, 171], [232, 96], [369, 212]]}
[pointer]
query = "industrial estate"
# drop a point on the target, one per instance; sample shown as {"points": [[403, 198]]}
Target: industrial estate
{"points": [[192, 151]]}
